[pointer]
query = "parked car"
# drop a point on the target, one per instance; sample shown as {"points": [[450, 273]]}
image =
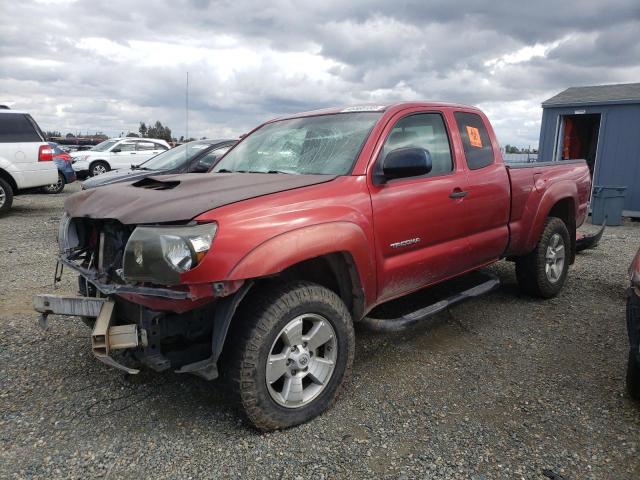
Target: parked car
{"points": [[633, 328], [259, 269], [66, 174], [116, 153], [192, 157], [26, 159]]}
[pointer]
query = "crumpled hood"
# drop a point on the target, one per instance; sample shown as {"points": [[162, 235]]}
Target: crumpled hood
{"points": [[173, 198], [116, 176]]}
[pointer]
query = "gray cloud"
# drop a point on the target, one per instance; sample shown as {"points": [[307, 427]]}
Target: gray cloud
{"points": [[106, 66]]}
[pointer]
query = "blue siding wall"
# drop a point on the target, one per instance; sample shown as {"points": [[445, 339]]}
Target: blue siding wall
{"points": [[618, 158]]}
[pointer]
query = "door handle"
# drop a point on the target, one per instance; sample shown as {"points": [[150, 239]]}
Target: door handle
{"points": [[457, 193]]}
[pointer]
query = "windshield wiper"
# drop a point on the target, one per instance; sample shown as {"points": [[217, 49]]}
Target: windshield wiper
{"points": [[140, 167], [273, 171], [224, 170]]}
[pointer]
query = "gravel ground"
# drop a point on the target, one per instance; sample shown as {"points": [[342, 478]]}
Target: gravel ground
{"points": [[500, 387]]}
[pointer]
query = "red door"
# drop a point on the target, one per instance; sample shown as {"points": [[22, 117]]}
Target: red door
{"points": [[420, 222], [488, 200]]}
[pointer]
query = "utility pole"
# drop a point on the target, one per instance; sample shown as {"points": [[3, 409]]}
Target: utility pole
{"points": [[187, 109]]}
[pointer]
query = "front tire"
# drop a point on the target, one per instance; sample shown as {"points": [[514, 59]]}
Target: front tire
{"points": [[6, 196], [543, 272], [56, 187], [293, 350], [98, 168]]}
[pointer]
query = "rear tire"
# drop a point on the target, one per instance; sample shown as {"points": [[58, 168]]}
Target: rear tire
{"points": [[55, 188], [6, 196], [543, 272], [281, 376], [633, 376], [98, 168]]}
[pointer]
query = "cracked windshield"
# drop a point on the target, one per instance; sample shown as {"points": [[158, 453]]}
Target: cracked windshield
{"points": [[325, 144]]}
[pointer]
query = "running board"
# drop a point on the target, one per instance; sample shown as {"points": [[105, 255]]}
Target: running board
{"points": [[410, 319]]}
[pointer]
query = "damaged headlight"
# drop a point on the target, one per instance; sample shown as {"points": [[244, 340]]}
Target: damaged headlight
{"points": [[161, 254]]}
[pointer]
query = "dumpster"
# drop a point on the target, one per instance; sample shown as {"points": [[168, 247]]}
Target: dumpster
{"points": [[607, 203]]}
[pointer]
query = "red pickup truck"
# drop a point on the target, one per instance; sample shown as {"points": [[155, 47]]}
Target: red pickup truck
{"points": [[261, 267]]}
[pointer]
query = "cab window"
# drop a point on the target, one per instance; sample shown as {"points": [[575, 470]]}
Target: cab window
{"points": [[146, 146], [475, 140], [205, 162], [126, 147], [423, 130]]}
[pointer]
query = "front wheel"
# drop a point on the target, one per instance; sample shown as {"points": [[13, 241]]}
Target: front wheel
{"points": [[543, 272], [294, 346], [98, 168], [57, 187]]}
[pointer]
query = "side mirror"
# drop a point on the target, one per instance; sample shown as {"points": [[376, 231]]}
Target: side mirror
{"points": [[406, 162], [116, 150], [200, 168]]}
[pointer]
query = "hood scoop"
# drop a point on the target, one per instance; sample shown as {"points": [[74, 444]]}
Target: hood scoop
{"points": [[173, 198], [155, 184]]}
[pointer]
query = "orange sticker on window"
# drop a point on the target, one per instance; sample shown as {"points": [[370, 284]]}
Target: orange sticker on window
{"points": [[474, 137]]}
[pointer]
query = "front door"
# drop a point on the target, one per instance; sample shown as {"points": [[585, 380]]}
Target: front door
{"points": [[146, 150], [420, 222], [123, 155]]}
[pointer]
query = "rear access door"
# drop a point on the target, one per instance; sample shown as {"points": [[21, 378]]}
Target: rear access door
{"points": [[488, 199]]}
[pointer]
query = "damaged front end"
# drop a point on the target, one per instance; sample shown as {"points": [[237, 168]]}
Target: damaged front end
{"points": [[133, 297]]}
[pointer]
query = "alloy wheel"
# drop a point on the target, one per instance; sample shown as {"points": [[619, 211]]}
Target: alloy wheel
{"points": [[555, 258], [55, 187], [99, 169], [301, 360]]}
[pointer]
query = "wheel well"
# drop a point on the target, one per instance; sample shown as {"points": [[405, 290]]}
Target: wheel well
{"points": [[335, 271], [565, 210], [9, 179], [98, 160]]}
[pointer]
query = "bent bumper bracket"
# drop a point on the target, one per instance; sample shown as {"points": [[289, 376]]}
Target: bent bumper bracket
{"points": [[104, 337]]}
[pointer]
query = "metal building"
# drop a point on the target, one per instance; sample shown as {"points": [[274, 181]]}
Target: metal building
{"points": [[602, 125]]}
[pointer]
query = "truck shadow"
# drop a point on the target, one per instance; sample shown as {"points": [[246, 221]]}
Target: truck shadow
{"points": [[152, 400]]}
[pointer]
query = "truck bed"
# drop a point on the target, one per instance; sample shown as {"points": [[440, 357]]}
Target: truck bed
{"points": [[534, 186]]}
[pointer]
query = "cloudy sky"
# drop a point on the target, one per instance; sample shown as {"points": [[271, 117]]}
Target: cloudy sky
{"points": [[106, 66]]}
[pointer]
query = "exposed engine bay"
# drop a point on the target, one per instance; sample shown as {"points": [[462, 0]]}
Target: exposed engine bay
{"points": [[100, 250]]}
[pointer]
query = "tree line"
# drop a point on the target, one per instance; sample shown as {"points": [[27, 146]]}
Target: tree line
{"points": [[155, 130]]}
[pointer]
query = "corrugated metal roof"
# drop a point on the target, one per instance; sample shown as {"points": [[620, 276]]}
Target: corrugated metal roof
{"points": [[598, 95]]}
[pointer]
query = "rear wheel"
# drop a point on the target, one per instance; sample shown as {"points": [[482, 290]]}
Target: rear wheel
{"points": [[98, 168], [57, 187], [543, 272], [6, 196], [294, 347]]}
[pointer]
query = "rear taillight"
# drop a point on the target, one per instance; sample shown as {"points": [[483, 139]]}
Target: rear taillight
{"points": [[45, 154]]}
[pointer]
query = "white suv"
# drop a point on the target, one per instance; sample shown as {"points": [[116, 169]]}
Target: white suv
{"points": [[116, 153], [26, 159]]}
